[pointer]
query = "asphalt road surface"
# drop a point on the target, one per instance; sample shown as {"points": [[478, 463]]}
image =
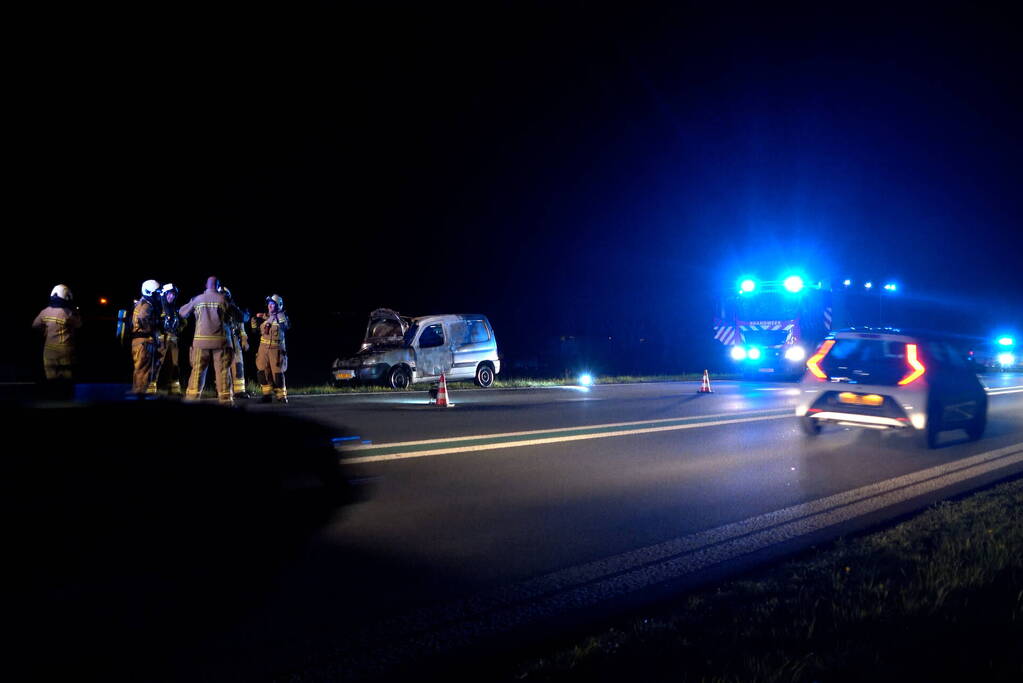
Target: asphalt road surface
{"points": [[518, 509]]}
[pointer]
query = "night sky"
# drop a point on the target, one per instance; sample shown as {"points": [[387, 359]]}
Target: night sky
{"points": [[579, 169]]}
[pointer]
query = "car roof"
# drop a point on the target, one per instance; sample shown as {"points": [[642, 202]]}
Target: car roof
{"points": [[449, 316], [902, 334]]}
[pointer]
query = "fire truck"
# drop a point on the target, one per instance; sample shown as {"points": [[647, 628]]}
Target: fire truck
{"points": [[768, 327]]}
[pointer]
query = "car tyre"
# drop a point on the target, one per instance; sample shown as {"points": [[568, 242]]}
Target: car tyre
{"points": [[484, 375], [975, 427], [928, 436], [810, 426], [399, 378]]}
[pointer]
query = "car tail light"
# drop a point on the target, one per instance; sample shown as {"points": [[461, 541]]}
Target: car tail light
{"points": [[916, 368], [813, 364]]}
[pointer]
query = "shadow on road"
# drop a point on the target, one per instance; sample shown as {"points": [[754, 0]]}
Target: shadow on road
{"points": [[137, 531]]}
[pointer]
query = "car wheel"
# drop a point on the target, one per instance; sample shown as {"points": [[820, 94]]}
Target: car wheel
{"points": [[484, 375], [399, 378], [928, 436], [975, 427], [810, 426]]}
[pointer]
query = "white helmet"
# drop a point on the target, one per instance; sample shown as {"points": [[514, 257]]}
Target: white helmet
{"points": [[149, 287], [277, 300], [169, 287], [62, 291]]}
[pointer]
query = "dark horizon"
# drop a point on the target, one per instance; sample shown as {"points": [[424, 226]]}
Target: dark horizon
{"points": [[577, 166]]}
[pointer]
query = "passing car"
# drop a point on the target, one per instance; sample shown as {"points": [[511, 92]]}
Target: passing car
{"points": [[399, 351], [891, 379]]}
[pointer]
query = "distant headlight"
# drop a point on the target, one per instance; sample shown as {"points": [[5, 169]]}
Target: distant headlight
{"points": [[1006, 359], [795, 353], [753, 353], [738, 353], [585, 379]]}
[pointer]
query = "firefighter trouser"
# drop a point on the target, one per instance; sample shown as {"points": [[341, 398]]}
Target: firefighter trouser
{"points": [[170, 365], [143, 354], [238, 367], [271, 363], [58, 361], [220, 359]]}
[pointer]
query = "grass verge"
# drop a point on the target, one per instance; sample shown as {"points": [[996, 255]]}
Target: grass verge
{"points": [[518, 383], [938, 597]]}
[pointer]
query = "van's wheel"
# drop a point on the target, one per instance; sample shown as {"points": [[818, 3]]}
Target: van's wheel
{"points": [[810, 426], [399, 378], [484, 375]]}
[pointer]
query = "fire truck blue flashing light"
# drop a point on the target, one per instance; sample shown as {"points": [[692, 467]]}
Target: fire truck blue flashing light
{"points": [[747, 286], [847, 282], [890, 287], [869, 285], [794, 284], [753, 353], [738, 353], [1005, 341], [585, 379], [1006, 359]]}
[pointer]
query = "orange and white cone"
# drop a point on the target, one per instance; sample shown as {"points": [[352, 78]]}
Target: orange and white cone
{"points": [[442, 394], [705, 387]]}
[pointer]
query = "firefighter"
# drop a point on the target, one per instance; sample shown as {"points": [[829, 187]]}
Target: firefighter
{"points": [[171, 325], [145, 331], [211, 344], [239, 344], [272, 356], [58, 321]]}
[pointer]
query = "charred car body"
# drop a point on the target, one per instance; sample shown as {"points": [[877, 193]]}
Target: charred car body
{"points": [[399, 351]]}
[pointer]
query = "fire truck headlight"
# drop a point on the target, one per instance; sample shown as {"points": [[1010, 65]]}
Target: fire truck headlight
{"points": [[793, 283], [795, 353], [1006, 359], [753, 353], [738, 353]]}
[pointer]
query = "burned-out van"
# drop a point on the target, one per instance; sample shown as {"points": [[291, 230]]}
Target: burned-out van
{"points": [[399, 351]]}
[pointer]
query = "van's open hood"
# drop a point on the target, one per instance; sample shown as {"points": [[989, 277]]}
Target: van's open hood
{"points": [[385, 328]]}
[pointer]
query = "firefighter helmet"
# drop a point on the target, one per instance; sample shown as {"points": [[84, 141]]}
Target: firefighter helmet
{"points": [[168, 288], [150, 287], [62, 291], [277, 300]]}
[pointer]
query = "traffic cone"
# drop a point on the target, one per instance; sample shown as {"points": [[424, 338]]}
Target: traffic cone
{"points": [[705, 387], [442, 394]]}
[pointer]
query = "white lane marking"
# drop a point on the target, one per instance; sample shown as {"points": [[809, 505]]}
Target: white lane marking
{"points": [[463, 621], [1008, 390], [548, 440], [504, 435]]}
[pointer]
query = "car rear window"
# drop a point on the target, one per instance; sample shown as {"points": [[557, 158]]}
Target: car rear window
{"points": [[867, 361]]}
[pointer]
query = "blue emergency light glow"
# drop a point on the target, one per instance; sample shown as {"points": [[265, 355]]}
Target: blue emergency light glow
{"points": [[753, 353], [1006, 359], [738, 353], [794, 284], [869, 285], [847, 282], [1005, 341], [585, 379], [795, 353], [747, 285], [890, 287]]}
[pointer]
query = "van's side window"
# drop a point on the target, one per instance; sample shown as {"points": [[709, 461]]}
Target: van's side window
{"points": [[432, 336], [459, 333], [478, 331]]}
